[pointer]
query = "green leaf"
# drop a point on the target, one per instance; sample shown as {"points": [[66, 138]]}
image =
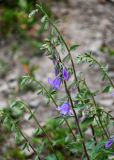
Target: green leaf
{"points": [[98, 152], [18, 103], [74, 47], [43, 20], [30, 117], [87, 122], [32, 13], [36, 158], [23, 4], [80, 106], [111, 51], [40, 148], [107, 89], [40, 91], [51, 157], [37, 131], [24, 146], [25, 80], [60, 122]]}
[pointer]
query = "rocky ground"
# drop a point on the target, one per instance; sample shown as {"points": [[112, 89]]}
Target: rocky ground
{"points": [[87, 23]]}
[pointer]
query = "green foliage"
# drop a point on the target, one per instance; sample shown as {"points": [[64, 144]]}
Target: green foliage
{"points": [[74, 47], [87, 122], [15, 154], [64, 137]]}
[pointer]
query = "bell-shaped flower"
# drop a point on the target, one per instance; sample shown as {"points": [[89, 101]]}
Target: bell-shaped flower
{"points": [[109, 143], [66, 74], [56, 83], [65, 109]]}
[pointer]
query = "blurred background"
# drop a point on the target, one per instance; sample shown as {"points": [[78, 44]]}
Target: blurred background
{"points": [[89, 23]]}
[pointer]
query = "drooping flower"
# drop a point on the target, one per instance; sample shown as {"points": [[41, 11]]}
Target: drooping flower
{"points": [[66, 74], [109, 143], [65, 109], [56, 83]]}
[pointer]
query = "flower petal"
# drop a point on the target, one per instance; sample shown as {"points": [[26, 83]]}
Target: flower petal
{"points": [[109, 143], [66, 74], [50, 81], [55, 83], [65, 109]]}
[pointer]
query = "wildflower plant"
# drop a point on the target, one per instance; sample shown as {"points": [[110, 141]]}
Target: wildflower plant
{"points": [[65, 137]]}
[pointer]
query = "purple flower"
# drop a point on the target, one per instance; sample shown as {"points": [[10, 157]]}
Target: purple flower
{"points": [[66, 74], [109, 143], [55, 83], [113, 94], [65, 109]]}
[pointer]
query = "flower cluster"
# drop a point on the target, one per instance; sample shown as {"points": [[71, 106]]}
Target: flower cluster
{"points": [[65, 108]]}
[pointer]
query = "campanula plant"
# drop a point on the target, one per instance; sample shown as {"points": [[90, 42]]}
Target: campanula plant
{"points": [[66, 136]]}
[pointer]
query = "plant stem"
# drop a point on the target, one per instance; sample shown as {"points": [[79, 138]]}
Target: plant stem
{"points": [[67, 91], [38, 124], [76, 118], [99, 127], [61, 37], [29, 143], [55, 105], [109, 114], [93, 132], [26, 139], [71, 102]]}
